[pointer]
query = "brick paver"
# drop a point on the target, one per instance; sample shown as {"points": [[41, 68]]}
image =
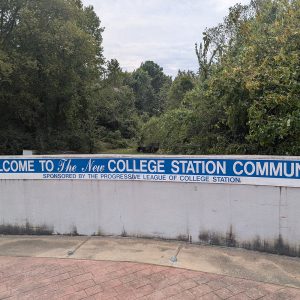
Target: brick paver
{"points": [[42, 278]]}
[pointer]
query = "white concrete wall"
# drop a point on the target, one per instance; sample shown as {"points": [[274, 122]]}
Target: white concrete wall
{"points": [[156, 209]]}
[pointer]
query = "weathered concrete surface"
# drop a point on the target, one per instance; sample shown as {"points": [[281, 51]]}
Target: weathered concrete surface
{"points": [[224, 261], [52, 246], [241, 263]]}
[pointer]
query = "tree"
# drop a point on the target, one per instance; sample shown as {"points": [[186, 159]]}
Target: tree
{"points": [[273, 58], [140, 82], [117, 114], [245, 98], [55, 57], [170, 131], [182, 84], [147, 82]]}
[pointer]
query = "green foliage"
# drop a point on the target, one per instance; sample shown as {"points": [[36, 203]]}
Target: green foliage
{"points": [[50, 58], [117, 111], [170, 131], [58, 93], [149, 83], [245, 98], [274, 115], [140, 82], [182, 84]]}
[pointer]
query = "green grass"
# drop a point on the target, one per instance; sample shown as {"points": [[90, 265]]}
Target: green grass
{"points": [[126, 151], [121, 151]]}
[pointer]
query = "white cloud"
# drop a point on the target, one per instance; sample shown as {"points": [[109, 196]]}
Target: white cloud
{"points": [[161, 30], [223, 5]]}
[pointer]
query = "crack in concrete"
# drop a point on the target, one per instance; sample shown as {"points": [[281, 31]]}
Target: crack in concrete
{"points": [[72, 252], [173, 259]]}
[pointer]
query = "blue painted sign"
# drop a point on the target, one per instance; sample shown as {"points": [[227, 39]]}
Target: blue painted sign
{"points": [[172, 169]]}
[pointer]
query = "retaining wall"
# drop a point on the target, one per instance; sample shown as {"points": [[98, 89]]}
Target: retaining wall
{"points": [[259, 217]]}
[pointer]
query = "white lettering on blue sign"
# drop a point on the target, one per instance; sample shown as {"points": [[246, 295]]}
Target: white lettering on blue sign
{"points": [[276, 172]]}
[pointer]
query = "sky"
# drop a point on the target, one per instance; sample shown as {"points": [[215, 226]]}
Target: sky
{"points": [[164, 31]]}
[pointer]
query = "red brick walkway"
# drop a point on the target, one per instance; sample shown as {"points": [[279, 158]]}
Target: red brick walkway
{"points": [[42, 278]]}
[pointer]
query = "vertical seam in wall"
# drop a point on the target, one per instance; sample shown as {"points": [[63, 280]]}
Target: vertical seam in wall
{"points": [[230, 203], [279, 212], [286, 206]]}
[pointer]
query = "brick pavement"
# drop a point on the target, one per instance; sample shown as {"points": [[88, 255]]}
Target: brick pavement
{"points": [[42, 278]]}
